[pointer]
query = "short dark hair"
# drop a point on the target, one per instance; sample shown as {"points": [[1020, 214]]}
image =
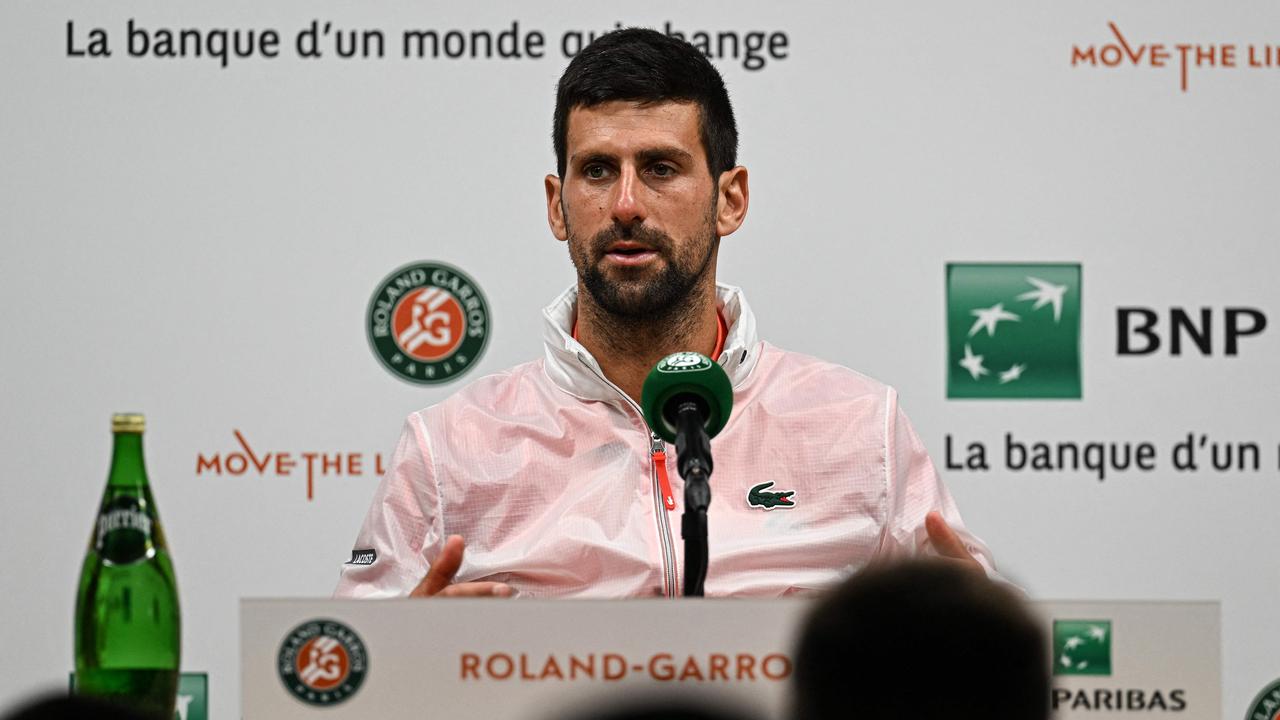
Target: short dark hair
{"points": [[646, 66], [921, 639]]}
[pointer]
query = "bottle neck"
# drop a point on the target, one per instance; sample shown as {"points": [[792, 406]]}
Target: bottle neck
{"points": [[127, 468]]}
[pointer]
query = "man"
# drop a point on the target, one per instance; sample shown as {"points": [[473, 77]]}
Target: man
{"points": [[547, 474], [921, 639]]}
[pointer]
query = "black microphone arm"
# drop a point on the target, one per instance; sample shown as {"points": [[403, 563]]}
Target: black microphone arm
{"points": [[693, 444], [693, 457]]}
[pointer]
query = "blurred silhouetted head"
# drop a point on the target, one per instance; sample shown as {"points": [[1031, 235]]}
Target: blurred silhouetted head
{"points": [[71, 707], [919, 640], [652, 708]]}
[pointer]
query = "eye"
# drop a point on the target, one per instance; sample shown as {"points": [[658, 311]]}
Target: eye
{"points": [[594, 171], [662, 170]]}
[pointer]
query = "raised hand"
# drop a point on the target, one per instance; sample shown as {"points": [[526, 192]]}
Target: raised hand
{"points": [[439, 579]]}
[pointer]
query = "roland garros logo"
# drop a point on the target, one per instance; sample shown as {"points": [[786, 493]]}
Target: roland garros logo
{"points": [[1266, 706], [684, 362], [428, 322], [322, 662]]}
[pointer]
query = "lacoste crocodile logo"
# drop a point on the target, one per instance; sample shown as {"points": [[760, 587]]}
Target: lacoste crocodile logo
{"points": [[761, 497]]}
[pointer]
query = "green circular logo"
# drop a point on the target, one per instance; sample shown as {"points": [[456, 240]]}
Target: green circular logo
{"points": [[322, 662], [683, 362], [1266, 706], [428, 323]]}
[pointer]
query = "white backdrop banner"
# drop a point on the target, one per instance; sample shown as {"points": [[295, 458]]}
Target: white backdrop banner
{"points": [[204, 203]]}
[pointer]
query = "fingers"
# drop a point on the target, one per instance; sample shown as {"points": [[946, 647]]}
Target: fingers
{"points": [[478, 589], [943, 538], [439, 579], [442, 570]]}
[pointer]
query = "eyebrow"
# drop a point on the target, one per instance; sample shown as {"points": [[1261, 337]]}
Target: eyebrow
{"points": [[665, 153], [648, 155]]}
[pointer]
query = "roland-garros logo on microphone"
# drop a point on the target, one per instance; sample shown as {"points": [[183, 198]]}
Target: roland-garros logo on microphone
{"points": [[428, 322], [684, 362]]}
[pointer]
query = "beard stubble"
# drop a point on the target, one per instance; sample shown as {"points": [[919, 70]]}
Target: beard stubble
{"points": [[645, 298]]}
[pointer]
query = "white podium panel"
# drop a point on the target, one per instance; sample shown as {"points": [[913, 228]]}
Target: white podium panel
{"points": [[525, 660]]}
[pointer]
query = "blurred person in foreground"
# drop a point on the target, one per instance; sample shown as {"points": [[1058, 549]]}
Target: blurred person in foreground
{"points": [[547, 472], [921, 639], [655, 708], [73, 707]]}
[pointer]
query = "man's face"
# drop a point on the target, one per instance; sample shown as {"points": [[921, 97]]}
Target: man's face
{"points": [[639, 205]]}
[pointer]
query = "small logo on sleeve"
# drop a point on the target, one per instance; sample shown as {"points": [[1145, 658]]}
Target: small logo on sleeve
{"points": [[760, 496], [363, 557]]}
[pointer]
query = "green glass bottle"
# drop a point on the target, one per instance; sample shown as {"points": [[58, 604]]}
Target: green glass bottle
{"points": [[128, 635]]}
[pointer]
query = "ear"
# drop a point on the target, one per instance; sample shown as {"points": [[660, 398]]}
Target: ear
{"points": [[555, 211], [734, 196]]}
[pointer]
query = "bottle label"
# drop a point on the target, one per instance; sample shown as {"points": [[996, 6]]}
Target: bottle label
{"points": [[124, 531]]}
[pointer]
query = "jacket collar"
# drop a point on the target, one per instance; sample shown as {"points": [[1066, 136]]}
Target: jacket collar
{"points": [[571, 367]]}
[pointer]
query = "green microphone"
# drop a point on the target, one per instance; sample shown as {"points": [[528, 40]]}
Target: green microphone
{"points": [[687, 399], [686, 376]]}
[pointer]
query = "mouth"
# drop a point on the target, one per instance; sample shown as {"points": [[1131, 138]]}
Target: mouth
{"points": [[626, 252]]}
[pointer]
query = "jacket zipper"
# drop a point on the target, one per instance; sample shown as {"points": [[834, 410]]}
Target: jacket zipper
{"points": [[663, 500], [662, 495], [660, 464]]}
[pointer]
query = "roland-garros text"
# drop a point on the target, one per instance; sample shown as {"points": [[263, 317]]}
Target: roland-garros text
{"points": [[612, 667]]}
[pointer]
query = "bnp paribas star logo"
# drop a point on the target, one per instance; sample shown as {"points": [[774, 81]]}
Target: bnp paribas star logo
{"points": [[1081, 647], [1013, 330], [428, 322]]}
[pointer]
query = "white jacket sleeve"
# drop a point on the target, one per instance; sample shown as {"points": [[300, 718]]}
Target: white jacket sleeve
{"points": [[914, 489], [402, 532]]}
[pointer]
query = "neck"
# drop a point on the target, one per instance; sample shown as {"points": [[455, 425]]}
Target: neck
{"points": [[127, 466], [627, 348]]}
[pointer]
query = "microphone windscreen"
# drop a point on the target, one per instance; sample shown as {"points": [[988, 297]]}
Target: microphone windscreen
{"points": [[686, 376]]}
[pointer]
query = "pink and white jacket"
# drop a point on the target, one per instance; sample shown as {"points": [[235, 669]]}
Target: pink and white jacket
{"points": [[550, 474]]}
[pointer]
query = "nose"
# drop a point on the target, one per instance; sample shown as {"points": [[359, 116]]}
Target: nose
{"points": [[627, 206]]}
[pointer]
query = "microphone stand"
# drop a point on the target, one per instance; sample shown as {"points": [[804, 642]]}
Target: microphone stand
{"points": [[693, 452]]}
